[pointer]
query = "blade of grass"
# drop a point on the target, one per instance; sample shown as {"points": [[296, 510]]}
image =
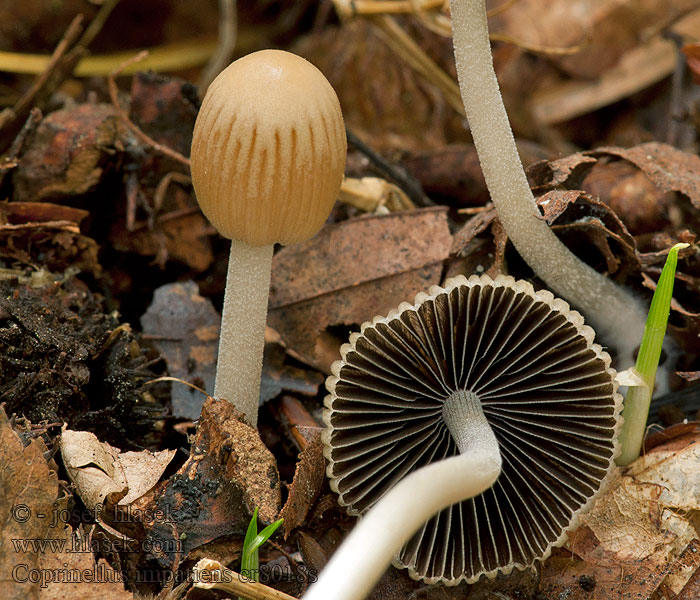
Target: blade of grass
{"points": [[263, 536], [249, 556], [636, 409], [251, 543]]}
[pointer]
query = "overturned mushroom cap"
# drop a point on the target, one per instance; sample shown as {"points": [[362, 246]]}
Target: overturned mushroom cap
{"points": [[546, 389]]}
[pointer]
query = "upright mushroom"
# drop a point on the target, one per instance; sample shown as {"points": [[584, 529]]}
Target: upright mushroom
{"points": [[614, 313], [478, 382], [268, 155]]}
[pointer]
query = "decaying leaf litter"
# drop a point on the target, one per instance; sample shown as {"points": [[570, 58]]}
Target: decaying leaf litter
{"points": [[112, 279]]}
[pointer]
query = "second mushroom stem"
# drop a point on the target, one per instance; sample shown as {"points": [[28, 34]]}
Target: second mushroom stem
{"points": [[366, 553], [614, 313], [242, 340]]}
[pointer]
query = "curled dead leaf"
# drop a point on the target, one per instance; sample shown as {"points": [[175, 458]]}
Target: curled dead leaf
{"points": [[350, 272]]}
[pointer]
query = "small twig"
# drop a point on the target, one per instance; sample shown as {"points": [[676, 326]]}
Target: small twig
{"points": [[211, 574], [535, 48], [348, 8], [501, 8], [114, 97], [297, 416], [162, 187], [158, 199], [132, 192], [228, 34], [475, 210], [22, 105], [169, 216], [97, 23], [404, 46], [10, 160], [32, 121], [408, 184], [676, 101], [175, 380], [168, 57]]}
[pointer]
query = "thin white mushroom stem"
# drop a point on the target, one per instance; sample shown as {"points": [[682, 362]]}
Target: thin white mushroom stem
{"points": [[614, 313], [366, 553], [242, 341]]}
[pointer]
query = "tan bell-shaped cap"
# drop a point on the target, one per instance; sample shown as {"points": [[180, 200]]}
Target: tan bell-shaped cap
{"points": [[268, 149]]}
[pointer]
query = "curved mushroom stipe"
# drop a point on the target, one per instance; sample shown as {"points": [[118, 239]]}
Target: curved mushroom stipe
{"points": [[366, 553], [530, 366], [617, 316]]}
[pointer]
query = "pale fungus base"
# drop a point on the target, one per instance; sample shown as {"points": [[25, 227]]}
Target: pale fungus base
{"points": [[546, 388]]}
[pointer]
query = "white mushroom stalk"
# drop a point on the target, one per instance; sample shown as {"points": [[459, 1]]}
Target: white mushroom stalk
{"points": [[613, 312], [470, 430], [365, 554], [243, 319]]}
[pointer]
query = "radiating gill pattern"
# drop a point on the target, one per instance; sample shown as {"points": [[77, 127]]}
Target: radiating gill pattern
{"points": [[545, 388]]}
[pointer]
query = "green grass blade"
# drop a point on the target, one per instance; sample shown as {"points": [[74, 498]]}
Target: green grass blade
{"points": [[249, 554], [636, 410], [264, 535], [250, 558]]}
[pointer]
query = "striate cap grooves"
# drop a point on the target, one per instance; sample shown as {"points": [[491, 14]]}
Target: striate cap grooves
{"points": [[268, 149]]}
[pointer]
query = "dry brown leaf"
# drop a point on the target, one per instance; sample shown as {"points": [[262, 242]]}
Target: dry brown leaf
{"points": [[143, 470], [183, 238], [104, 476], [27, 503], [278, 377], [679, 433], [682, 576], [639, 203], [308, 480], [351, 272], [567, 172], [47, 234], [68, 152], [618, 55], [604, 29], [639, 534], [473, 227], [670, 169], [582, 221], [39, 212], [640, 67], [94, 468], [676, 471], [619, 177], [55, 564], [93, 575], [184, 327], [229, 473], [450, 171], [384, 101]]}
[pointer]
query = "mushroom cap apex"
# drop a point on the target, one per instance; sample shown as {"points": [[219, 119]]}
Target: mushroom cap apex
{"points": [[268, 149]]}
